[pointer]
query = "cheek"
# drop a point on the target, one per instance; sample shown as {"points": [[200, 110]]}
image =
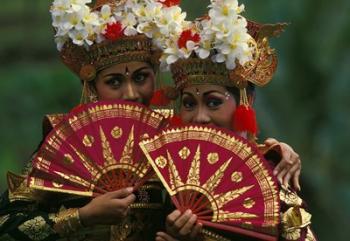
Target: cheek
{"points": [[186, 116], [147, 89], [223, 116]]}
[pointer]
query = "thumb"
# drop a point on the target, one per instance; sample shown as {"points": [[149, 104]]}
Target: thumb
{"points": [[129, 199], [122, 193], [270, 141]]}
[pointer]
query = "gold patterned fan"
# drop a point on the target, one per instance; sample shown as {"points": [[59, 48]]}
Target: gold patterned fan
{"points": [[94, 149], [221, 177]]}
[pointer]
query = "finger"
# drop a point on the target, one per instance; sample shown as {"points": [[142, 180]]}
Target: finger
{"points": [[188, 226], [284, 163], [172, 217], [281, 175], [196, 231], [296, 179], [288, 153], [121, 193], [129, 199], [280, 166], [271, 141], [164, 236], [182, 220]]}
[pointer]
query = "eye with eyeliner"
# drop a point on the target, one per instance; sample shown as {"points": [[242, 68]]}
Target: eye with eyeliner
{"points": [[213, 102], [188, 102], [114, 81], [141, 76]]}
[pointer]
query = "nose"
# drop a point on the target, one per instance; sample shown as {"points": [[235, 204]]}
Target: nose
{"points": [[201, 116], [130, 92]]}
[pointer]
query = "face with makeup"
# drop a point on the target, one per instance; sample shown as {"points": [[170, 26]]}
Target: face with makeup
{"points": [[133, 81], [208, 104]]}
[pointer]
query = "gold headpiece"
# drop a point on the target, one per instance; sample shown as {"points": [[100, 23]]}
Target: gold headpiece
{"points": [[93, 36], [259, 70], [87, 62]]}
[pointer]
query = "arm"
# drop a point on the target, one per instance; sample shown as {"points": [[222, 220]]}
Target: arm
{"points": [[287, 162], [24, 215]]}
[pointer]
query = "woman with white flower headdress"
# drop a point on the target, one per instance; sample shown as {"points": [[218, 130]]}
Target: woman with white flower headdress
{"points": [[216, 62], [112, 46]]}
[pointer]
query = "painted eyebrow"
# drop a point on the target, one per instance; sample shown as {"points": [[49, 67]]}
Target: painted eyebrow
{"points": [[187, 93], [120, 74], [205, 94]]}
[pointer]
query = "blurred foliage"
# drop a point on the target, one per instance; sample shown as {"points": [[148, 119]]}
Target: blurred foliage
{"points": [[306, 105]]}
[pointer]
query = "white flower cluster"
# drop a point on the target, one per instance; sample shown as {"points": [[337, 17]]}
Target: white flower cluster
{"points": [[223, 37], [74, 20]]}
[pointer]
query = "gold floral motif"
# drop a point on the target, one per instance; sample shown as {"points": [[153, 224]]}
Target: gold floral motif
{"points": [[293, 220], [88, 140], [175, 179], [193, 174], [117, 132], [106, 149], [225, 216], [224, 198], [237, 177], [213, 157], [68, 159], [128, 149], [36, 229], [214, 180], [289, 197], [18, 188], [184, 153], [161, 161], [248, 203]]}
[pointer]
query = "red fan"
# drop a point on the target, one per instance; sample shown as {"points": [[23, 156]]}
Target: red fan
{"points": [[95, 149], [219, 176]]}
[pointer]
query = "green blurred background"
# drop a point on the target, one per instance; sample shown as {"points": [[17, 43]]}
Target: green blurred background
{"points": [[306, 105]]}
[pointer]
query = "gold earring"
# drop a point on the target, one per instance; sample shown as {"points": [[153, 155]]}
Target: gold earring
{"points": [[87, 95]]}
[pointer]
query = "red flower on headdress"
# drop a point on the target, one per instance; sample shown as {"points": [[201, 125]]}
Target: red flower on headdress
{"points": [[186, 36], [170, 3], [114, 31]]}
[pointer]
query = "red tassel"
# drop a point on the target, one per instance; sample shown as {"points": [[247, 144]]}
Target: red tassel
{"points": [[159, 98], [244, 119], [175, 121]]}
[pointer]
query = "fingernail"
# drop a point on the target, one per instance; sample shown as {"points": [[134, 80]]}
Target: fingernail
{"points": [[275, 172], [189, 211], [130, 189]]}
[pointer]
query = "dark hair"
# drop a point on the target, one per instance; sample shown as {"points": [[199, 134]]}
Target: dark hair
{"points": [[235, 91]]}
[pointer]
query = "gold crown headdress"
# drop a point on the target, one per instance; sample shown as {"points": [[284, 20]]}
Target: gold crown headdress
{"points": [[92, 35], [223, 48]]}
